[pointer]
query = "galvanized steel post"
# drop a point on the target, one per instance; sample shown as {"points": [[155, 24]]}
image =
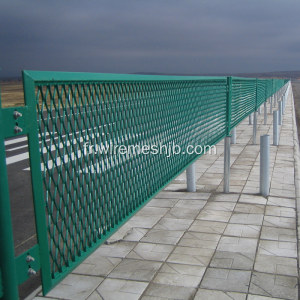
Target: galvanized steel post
{"points": [[191, 178], [226, 163], [233, 136], [280, 113], [227, 138], [264, 165], [254, 127], [275, 128], [271, 104]]}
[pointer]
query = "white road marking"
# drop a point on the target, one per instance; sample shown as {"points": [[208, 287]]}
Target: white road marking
{"points": [[17, 158]]}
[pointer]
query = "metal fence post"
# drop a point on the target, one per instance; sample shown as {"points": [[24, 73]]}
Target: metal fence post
{"points": [[227, 139], [264, 165], [191, 178], [226, 163], [233, 136], [275, 128], [254, 127], [271, 104], [7, 254], [265, 113], [280, 113]]}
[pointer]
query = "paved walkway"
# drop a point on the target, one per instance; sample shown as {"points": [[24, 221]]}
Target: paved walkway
{"points": [[206, 245]]}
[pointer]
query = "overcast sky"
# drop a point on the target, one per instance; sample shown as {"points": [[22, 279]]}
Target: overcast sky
{"points": [[163, 36]]}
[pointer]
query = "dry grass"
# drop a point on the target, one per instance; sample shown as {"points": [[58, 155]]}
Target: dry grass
{"points": [[12, 93]]}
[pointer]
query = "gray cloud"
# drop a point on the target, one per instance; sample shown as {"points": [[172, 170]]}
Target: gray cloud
{"points": [[168, 36]]}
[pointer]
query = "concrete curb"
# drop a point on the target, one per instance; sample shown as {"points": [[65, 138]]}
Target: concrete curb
{"points": [[297, 178]]}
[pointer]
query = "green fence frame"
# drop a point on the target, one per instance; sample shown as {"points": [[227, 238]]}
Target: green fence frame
{"points": [[132, 108]]}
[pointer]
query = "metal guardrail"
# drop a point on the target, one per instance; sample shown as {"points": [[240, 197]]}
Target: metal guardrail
{"points": [[80, 196]]}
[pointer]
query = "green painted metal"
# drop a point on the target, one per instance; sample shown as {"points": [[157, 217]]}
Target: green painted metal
{"points": [[23, 263], [80, 198], [7, 259]]}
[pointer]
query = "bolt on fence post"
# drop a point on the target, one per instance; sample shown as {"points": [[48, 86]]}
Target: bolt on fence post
{"points": [[191, 178], [264, 165], [254, 127], [275, 128], [226, 163], [250, 119], [280, 113], [265, 113], [233, 136]]}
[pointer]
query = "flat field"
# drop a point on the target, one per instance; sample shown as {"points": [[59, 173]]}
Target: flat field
{"points": [[12, 93]]}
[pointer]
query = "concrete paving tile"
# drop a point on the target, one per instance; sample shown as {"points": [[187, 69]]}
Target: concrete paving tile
{"points": [[246, 219], [239, 230], [191, 204], [237, 244], [232, 260], [225, 197], [95, 296], [196, 196], [211, 215], [160, 236], [179, 275], [112, 289], [149, 251], [222, 206], [281, 222], [286, 249], [282, 193], [274, 285], [135, 234], [152, 211], [278, 234], [173, 224], [226, 280], [182, 213], [276, 265], [97, 265], [249, 208], [169, 292], [208, 226], [133, 269], [203, 294], [252, 199], [280, 211], [200, 240], [277, 201], [257, 297], [144, 221], [191, 256], [157, 202], [75, 287], [120, 249]]}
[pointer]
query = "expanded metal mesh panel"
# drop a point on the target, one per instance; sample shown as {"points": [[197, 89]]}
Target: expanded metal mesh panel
{"points": [[243, 99], [1, 288], [261, 92], [89, 193]]}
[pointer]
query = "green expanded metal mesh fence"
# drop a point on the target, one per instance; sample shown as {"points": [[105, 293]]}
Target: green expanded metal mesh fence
{"points": [[84, 189]]}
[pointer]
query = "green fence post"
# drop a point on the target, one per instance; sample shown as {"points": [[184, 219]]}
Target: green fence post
{"points": [[7, 253]]}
